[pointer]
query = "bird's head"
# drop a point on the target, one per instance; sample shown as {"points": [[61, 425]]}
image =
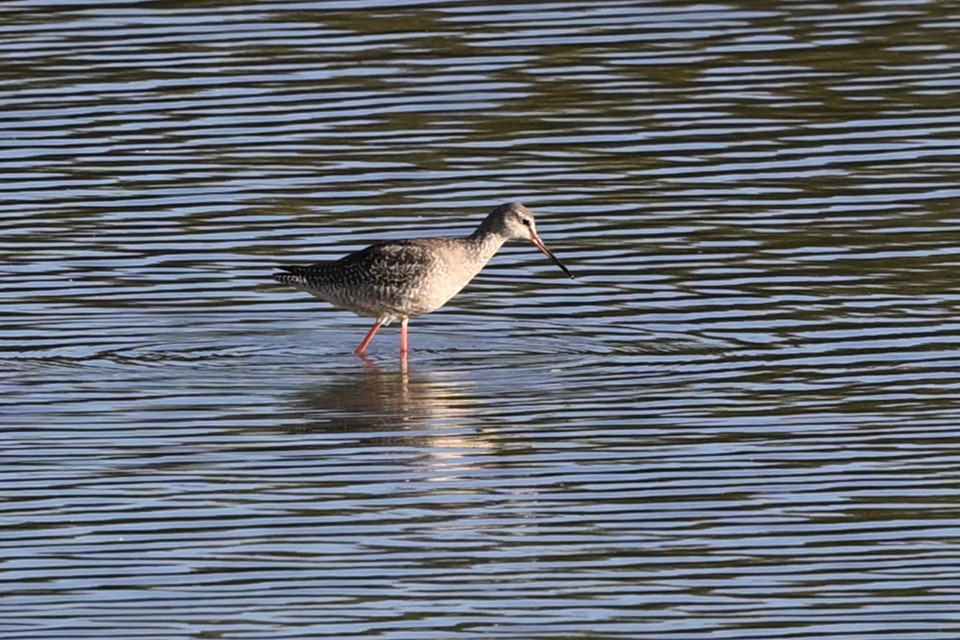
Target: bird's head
{"points": [[513, 220]]}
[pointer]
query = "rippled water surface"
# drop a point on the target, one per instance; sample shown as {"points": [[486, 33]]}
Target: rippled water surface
{"points": [[740, 421]]}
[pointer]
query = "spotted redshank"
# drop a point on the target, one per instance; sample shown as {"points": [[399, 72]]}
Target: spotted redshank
{"points": [[400, 279]]}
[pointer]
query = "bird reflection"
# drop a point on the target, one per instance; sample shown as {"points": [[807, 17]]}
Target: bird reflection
{"points": [[423, 410]]}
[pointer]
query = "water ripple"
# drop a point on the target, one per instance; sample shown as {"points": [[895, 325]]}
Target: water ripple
{"points": [[738, 421]]}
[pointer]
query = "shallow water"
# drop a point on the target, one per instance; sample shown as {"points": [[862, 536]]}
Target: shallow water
{"points": [[740, 421]]}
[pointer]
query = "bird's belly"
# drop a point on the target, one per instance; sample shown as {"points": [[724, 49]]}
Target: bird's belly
{"points": [[373, 301], [348, 298], [418, 299]]}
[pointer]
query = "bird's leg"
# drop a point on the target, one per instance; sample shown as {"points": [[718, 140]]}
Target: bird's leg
{"points": [[403, 336], [370, 334]]}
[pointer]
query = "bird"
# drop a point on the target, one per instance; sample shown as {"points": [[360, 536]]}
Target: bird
{"points": [[402, 279]]}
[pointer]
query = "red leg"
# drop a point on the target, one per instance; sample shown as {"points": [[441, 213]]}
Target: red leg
{"points": [[370, 334], [403, 336]]}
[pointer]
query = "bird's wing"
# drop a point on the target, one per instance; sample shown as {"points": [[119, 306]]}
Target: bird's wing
{"points": [[395, 265]]}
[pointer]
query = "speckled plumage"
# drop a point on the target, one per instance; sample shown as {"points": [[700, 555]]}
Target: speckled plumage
{"points": [[390, 280], [400, 279]]}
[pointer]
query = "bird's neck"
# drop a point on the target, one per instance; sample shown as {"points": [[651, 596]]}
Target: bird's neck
{"points": [[484, 243]]}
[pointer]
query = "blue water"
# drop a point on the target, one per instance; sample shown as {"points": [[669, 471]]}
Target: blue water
{"points": [[739, 421]]}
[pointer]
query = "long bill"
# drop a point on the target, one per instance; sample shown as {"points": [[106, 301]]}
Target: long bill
{"points": [[535, 239]]}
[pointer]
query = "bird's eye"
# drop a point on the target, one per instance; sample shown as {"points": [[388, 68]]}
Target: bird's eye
{"points": [[525, 221]]}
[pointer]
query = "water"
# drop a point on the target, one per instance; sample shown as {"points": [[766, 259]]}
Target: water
{"points": [[740, 421]]}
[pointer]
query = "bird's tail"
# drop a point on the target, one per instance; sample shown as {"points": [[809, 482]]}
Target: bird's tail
{"points": [[311, 276], [292, 275]]}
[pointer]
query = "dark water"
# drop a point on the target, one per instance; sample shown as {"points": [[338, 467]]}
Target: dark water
{"points": [[740, 421]]}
